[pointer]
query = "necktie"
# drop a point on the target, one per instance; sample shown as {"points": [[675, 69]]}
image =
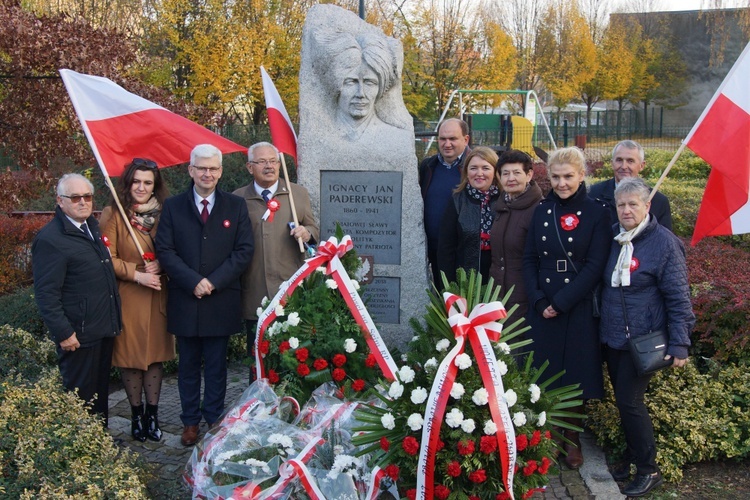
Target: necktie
{"points": [[85, 229], [266, 194], [204, 212]]}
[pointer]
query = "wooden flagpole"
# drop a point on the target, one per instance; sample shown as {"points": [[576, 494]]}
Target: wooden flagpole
{"points": [[291, 202], [666, 171], [108, 182]]}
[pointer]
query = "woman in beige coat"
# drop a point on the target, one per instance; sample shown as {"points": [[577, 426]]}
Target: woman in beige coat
{"points": [[144, 343]]}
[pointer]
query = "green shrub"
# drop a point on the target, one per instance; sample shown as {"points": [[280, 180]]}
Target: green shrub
{"points": [[22, 354], [51, 447], [19, 310], [696, 417], [689, 166]]}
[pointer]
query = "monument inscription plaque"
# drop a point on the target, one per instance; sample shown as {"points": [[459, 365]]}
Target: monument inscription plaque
{"points": [[367, 205], [383, 297]]}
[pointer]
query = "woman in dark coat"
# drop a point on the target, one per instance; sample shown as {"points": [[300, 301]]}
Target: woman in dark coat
{"points": [[514, 208], [646, 275], [566, 249], [464, 239]]}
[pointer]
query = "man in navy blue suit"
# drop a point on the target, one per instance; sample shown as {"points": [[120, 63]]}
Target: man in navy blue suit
{"points": [[204, 243]]}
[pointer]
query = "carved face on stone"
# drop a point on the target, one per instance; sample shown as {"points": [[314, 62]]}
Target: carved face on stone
{"points": [[359, 91]]}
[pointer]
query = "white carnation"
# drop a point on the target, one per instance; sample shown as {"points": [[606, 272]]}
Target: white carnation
{"points": [[415, 421], [457, 390], [454, 418], [396, 390], [463, 361], [350, 345], [293, 319], [502, 367], [404, 357], [541, 419], [330, 283], [281, 439], [279, 310], [490, 428], [519, 419], [511, 397], [259, 312], [442, 345], [355, 284], [430, 364], [406, 374], [536, 392], [418, 395], [274, 329], [480, 397], [293, 342], [468, 425], [321, 269], [414, 338], [264, 301], [503, 347], [388, 421]]}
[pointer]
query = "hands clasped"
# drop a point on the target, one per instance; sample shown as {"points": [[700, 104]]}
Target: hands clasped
{"points": [[204, 287]]}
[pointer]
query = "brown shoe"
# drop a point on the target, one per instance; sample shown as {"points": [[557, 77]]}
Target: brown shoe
{"points": [[189, 435], [574, 458]]}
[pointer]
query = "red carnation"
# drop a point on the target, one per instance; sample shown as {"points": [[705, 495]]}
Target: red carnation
{"points": [[284, 347], [536, 438], [147, 256], [411, 494], [454, 469], [548, 434], [358, 385], [339, 360], [502, 496], [392, 471], [488, 444], [521, 442], [371, 361], [320, 364], [302, 354], [531, 466], [385, 444], [478, 476], [440, 445], [466, 447], [410, 445], [544, 468], [472, 497], [339, 374], [273, 377], [303, 370], [264, 346], [442, 492]]}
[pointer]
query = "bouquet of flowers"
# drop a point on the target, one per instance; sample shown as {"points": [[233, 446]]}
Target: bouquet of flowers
{"points": [[466, 417]]}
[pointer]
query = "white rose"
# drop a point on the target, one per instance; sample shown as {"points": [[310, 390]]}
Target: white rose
{"points": [[430, 364], [293, 319], [454, 418], [502, 367], [480, 397], [388, 421], [418, 396], [468, 425], [511, 397], [415, 421], [519, 419], [396, 390], [350, 345], [279, 310], [503, 347], [536, 392], [541, 419], [463, 361], [490, 428], [457, 390], [406, 374], [355, 284], [442, 345], [293, 342], [330, 283]]}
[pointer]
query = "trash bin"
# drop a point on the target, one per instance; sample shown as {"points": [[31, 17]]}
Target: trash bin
{"points": [[581, 141]]}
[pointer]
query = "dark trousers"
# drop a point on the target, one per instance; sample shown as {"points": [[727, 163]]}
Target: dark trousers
{"points": [[250, 326], [636, 422], [210, 355], [87, 369]]}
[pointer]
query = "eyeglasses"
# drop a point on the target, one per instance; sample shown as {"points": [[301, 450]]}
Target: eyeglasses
{"points": [[266, 163], [76, 198], [142, 162], [206, 170]]}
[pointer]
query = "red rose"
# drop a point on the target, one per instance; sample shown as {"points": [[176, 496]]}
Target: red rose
{"points": [[536, 438], [454, 469], [371, 361], [358, 385], [411, 494], [441, 492], [284, 347], [339, 360], [488, 444], [466, 447], [302, 354], [521, 442], [502, 496], [410, 445], [320, 364], [530, 468], [478, 476], [392, 471], [264, 346], [339, 374], [303, 370], [384, 443], [273, 377]]}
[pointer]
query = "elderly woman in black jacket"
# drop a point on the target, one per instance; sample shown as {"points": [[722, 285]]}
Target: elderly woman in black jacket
{"points": [[646, 275]]}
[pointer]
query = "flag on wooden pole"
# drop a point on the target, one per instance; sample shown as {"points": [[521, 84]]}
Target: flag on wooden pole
{"points": [[282, 132]]}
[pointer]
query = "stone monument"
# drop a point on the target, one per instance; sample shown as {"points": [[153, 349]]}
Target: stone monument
{"points": [[357, 159]]}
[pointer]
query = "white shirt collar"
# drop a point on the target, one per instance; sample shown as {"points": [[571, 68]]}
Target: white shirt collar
{"points": [[197, 199], [273, 188]]}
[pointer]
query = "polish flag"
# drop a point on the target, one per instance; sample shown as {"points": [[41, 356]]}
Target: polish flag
{"points": [[121, 126], [282, 132], [722, 138]]}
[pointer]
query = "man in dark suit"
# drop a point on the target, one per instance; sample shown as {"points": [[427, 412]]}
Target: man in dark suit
{"points": [[628, 159], [204, 243], [76, 290]]}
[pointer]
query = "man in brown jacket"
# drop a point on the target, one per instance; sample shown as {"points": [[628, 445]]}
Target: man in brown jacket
{"points": [[277, 255]]}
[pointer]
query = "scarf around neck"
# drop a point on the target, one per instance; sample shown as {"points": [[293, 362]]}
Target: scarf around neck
{"points": [[486, 212], [143, 216], [621, 272]]}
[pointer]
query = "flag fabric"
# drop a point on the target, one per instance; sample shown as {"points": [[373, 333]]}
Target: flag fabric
{"points": [[121, 126], [722, 138], [282, 132]]}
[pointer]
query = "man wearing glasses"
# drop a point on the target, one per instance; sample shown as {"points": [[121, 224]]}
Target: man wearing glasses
{"points": [[76, 291], [204, 243], [277, 255]]}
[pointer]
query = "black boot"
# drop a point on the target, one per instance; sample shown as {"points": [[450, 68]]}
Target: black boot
{"points": [[136, 423], [152, 423]]}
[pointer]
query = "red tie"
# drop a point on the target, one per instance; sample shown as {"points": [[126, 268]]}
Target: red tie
{"points": [[204, 212]]}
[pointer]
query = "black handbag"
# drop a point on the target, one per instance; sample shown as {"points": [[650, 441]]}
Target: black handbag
{"points": [[648, 350]]}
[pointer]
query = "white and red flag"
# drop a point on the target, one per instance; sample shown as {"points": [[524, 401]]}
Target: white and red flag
{"points": [[121, 126], [722, 138], [282, 132]]}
